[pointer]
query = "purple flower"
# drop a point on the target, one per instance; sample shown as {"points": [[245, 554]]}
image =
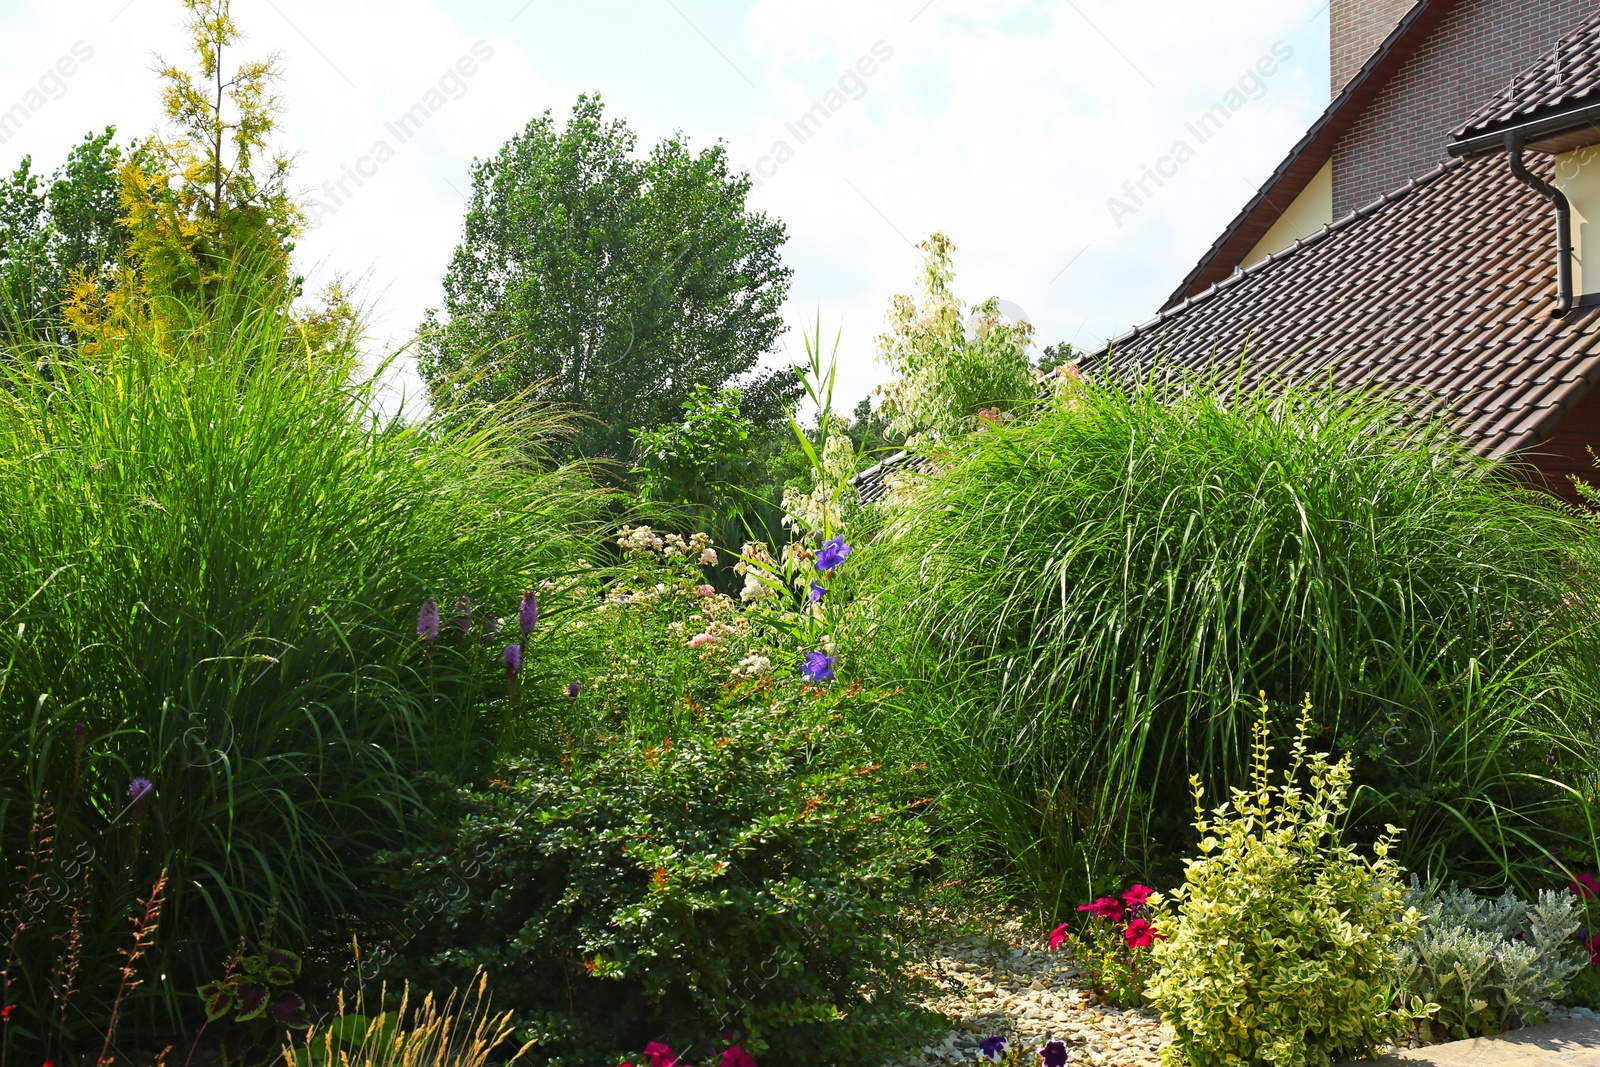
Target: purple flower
{"points": [[528, 613], [833, 553], [993, 1048], [138, 789], [512, 658], [819, 667], [464, 613], [428, 620], [574, 688], [1054, 1054], [817, 593]]}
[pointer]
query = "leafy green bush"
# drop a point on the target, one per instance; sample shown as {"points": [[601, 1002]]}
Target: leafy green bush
{"points": [[1282, 947], [745, 875], [1081, 608], [216, 549], [1489, 963]]}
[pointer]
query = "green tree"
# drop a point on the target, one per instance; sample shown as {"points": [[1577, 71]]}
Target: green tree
{"points": [[52, 234], [590, 277], [704, 460]]}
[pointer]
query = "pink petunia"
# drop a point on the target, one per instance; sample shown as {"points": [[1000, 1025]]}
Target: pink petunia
{"points": [[1104, 908], [1593, 945], [1584, 885], [736, 1057], [1057, 936], [1139, 934], [660, 1055], [1135, 897]]}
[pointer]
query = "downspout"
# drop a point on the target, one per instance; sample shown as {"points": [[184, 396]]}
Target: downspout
{"points": [[1563, 220]]}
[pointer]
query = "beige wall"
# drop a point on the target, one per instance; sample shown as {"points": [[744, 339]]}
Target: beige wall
{"points": [[1578, 176], [1311, 210]]}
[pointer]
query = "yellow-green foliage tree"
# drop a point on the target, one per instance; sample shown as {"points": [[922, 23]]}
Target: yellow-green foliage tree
{"points": [[207, 199], [1283, 946], [946, 379]]}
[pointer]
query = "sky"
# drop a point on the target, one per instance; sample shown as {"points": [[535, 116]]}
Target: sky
{"points": [[1054, 142]]}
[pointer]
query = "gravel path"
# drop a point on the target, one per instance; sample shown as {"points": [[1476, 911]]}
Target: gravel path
{"points": [[1009, 983]]}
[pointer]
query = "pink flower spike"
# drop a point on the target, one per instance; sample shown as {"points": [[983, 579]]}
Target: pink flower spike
{"points": [[1584, 885], [1057, 936]]}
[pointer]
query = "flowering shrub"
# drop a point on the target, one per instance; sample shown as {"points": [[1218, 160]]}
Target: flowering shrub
{"points": [[1281, 943], [654, 636], [945, 377], [744, 875], [1113, 945]]}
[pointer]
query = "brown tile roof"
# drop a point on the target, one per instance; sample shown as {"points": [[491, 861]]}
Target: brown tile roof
{"points": [[1307, 157], [1566, 76], [1441, 289]]}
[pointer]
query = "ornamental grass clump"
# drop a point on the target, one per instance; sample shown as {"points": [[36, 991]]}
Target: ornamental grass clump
{"points": [[1081, 607], [1280, 945]]}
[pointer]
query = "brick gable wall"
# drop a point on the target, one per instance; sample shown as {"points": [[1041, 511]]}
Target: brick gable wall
{"points": [[1355, 29], [1468, 58]]}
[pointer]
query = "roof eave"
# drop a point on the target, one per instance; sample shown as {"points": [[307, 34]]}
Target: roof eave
{"points": [[1531, 132], [1309, 154]]}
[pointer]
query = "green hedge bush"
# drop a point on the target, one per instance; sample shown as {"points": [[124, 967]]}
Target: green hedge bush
{"points": [[744, 876]]}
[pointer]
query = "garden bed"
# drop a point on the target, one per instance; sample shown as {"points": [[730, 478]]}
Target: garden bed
{"points": [[1005, 981]]}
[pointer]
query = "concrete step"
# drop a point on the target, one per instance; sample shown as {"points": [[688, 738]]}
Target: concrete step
{"points": [[1570, 1042]]}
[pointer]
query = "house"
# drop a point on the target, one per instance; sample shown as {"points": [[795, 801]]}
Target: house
{"points": [[1414, 238], [1428, 234]]}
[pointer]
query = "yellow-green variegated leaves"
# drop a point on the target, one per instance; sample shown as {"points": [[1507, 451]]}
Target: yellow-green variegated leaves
{"points": [[1280, 943]]}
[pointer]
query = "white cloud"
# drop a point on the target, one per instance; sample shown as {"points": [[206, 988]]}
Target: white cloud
{"points": [[1006, 123]]}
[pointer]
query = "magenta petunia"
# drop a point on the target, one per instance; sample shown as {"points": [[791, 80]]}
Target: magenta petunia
{"points": [[1104, 908], [1135, 897], [1584, 885], [1058, 936], [1139, 934]]}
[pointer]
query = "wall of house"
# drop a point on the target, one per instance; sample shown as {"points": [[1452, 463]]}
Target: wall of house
{"points": [[1311, 210], [1565, 452], [1468, 58], [1577, 174], [1355, 29]]}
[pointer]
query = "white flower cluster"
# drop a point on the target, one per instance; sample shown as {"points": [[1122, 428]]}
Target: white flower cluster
{"points": [[754, 565], [715, 635], [698, 546], [753, 664], [640, 540]]}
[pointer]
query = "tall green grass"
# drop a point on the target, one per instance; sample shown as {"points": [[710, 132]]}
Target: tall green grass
{"points": [[215, 547], [1084, 608]]}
